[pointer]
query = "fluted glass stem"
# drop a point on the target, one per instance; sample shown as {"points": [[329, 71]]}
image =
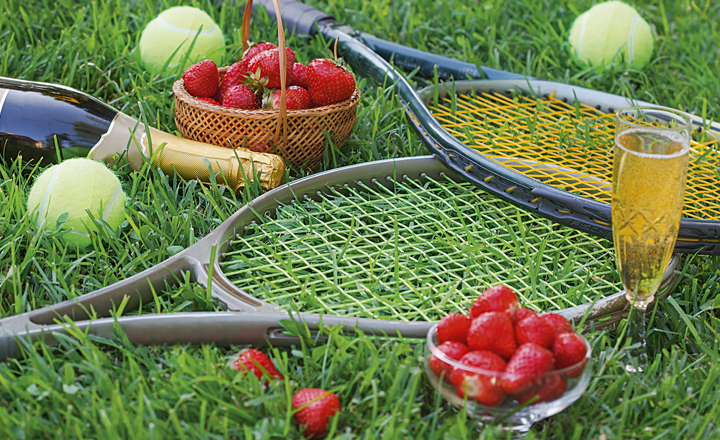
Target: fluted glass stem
{"points": [[636, 355]]}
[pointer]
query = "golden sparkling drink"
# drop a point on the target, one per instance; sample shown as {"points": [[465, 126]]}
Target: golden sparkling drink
{"points": [[646, 206]]}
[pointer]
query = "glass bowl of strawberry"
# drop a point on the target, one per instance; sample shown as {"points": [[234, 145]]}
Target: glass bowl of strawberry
{"points": [[505, 364]]}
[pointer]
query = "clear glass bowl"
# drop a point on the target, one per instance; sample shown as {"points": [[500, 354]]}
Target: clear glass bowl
{"points": [[510, 414]]}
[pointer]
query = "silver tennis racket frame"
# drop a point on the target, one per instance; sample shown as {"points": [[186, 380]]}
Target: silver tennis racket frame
{"points": [[248, 320]]}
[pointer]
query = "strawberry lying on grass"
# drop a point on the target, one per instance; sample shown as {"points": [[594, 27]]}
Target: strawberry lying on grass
{"points": [[512, 351], [313, 409], [256, 362]]}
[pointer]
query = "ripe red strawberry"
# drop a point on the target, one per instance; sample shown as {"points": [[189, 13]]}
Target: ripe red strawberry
{"points": [[524, 313], [552, 387], [453, 327], [569, 349], [496, 299], [483, 359], [296, 98], [233, 76], [256, 362], [558, 322], [329, 82], [252, 50], [299, 76], [268, 62], [485, 388], [242, 97], [209, 101], [535, 329], [452, 349], [527, 367], [314, 407], [255, 48], [494, 332], [202, 79]]}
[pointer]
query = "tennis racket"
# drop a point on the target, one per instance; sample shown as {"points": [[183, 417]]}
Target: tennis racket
{"points": [[388, 247], [544, 146]]}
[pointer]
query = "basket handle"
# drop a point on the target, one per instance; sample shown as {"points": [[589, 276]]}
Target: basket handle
{"points": [[282, 122]]}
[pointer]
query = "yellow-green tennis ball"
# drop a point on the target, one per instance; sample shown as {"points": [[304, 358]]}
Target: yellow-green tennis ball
{"points": [[609, 33], [176, 29], [75, 187]]}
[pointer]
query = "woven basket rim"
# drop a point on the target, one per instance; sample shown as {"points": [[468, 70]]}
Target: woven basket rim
{"points": [[181, 93]]}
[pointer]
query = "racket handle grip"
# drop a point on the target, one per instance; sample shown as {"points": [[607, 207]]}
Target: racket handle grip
{"points": [[194, 160], [297, 16]]}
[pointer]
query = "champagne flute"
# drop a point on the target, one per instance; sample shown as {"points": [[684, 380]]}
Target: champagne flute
{"points": [[652, 146]]}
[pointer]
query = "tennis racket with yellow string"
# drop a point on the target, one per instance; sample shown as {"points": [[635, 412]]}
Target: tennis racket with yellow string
{"points": [[389, 247], [544, 146]]}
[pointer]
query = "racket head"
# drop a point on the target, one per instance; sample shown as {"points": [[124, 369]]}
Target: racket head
{"points": [[387, 174], [252, 320], [534, 180]]}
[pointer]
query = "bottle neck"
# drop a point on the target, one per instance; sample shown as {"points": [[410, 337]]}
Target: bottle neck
{"points": [[123, 141]]}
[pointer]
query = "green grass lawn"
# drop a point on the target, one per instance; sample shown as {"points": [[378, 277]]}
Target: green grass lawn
{"points": [[93, 388]]}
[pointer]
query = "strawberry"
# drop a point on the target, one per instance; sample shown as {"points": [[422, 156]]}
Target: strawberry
{"points": [[569, 349], [233, 76], [558, 322], [535, 329], [252, 50], [256, 362], [313, 408], [523, 313], [242, 97], [492, 331], [209, 101], [485, 388], [496, 299], [483, 359], [527, 367], [453, 327], [202, 79], [452, 349], [296, 98], [329, 82], [255, 48], [299, 76], [552, 387], [268, 62]]}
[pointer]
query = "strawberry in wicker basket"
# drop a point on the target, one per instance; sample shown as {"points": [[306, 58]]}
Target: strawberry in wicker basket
{"points": [[260, 102]]}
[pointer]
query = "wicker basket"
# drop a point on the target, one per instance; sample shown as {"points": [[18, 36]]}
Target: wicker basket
{"points": [[298, 136]]}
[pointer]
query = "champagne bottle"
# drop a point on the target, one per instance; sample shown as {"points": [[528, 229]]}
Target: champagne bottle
{"points": [[48, 123]]}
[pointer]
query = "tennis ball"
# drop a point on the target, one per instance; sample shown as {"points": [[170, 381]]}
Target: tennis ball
{"points": [[176, 29], [611, 32], [75, 187]]}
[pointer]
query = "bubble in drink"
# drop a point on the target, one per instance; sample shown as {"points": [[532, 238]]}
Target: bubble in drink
{"points": [[647, 205]]}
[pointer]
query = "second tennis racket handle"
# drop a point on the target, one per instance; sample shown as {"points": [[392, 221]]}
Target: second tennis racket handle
{"points": [[194, 160]]}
